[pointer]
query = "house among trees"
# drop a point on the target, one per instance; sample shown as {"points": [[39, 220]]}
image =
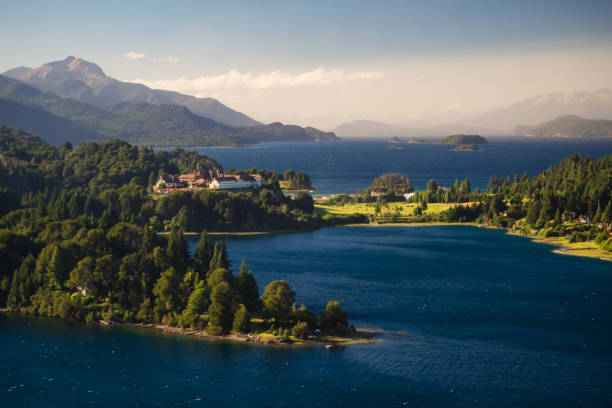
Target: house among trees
{"points": [[198, 179], [167, 183]]}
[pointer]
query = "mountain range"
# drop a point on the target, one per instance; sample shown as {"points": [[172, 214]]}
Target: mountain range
{"points": [[501, 121], [541, 108], [58, 119], [85, 81], [568, 126]]}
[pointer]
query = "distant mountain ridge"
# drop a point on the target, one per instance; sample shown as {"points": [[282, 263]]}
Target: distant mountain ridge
{"points": [[568, 126], [85, 81], [498, 122], [541, 108], [58, 119]]}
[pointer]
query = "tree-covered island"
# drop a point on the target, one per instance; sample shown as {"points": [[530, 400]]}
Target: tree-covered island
{"points": [[79, 239]]}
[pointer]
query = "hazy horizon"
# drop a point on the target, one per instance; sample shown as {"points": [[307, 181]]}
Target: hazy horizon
{"points": [[325, 64]]}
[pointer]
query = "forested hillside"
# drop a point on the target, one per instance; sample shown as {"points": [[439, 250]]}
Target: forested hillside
{"points": [[57, 120]]}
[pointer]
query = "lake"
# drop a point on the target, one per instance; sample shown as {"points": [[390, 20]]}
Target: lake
{"points": [[470, 317], [348, 165]]}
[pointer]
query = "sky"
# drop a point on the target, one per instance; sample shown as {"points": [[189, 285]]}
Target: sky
{"points": [[323, 63]]}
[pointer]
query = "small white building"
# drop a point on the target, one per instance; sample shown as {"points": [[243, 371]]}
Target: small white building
{"points": [[408, 196], [234, 182]]}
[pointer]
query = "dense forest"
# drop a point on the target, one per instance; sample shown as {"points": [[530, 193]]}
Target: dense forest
{"points": [[79, 239]]}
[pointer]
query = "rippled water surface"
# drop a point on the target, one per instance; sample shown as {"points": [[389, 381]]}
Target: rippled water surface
{"points": [[470, 317]]}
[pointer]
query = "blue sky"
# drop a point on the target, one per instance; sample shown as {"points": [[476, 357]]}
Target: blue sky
{"points": [[191, 39]]}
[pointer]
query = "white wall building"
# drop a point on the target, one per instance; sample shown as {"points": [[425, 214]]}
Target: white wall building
{"points": [[234, 182]]}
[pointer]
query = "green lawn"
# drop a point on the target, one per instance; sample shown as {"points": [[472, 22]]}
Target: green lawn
{"points": [[405, 209]]}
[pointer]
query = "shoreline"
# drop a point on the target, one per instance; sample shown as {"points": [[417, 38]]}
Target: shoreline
{"points": [[360, 336], [244, 233], [583, 249]]}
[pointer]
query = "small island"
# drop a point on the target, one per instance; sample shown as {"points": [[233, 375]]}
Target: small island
{"points": [[466, 148], [412, 140], [396, 147], [464, 140]]}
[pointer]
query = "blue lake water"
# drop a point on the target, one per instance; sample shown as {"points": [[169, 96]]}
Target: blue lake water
{"points": [[348, 165], [470, 318]]}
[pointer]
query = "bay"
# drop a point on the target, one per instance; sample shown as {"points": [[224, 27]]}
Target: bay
{"points": [[469, 317]]}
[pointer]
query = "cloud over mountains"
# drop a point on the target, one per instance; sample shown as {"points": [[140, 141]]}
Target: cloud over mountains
{"points": [[234, 79]]}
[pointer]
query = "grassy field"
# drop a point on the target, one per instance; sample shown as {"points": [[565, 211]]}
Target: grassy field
{"points": [[405, 209]]}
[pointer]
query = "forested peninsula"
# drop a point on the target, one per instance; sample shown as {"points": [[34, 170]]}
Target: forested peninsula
{"points": [[79, 240]]}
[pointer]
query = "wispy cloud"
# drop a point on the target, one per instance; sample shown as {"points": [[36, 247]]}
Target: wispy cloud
{"points": [[236, 80], [133, 55]]}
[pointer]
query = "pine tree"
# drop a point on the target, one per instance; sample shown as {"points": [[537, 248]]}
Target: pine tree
{"points": [[177, 251], [597, 216], [607, 214], [242, 320], [22, 284], [220, 316], [220, 258], [533, 213], [203, 254], [465, 187], [59, 267], [108, 218], [247, 289], [558, 219], [148, 241]]}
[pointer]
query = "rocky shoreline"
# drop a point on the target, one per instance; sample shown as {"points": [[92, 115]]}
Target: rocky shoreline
{"points": [[360, 336]]}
